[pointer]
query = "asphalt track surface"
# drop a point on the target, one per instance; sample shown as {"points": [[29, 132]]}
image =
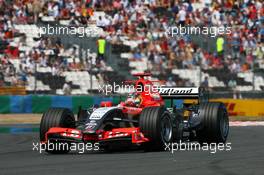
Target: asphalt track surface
{"points": [[246, 157]]}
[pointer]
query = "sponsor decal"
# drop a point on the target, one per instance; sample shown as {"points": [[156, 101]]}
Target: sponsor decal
{"points": [[90, 127], [171, 91], [91, 124], [72, 133], [231, 109], [243, 107], [100, 112]]}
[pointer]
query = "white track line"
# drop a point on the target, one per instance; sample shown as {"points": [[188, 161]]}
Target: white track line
{"points": [[248, 123]]}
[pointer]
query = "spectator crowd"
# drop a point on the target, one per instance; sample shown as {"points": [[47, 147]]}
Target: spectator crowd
{"points": [[143, 22]]}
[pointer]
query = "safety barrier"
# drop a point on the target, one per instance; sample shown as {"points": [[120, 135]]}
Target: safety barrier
{"points": [[40, 103], [240, 107]]}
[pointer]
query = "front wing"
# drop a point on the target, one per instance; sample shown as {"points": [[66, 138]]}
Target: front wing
{"points": [[75, 135]]}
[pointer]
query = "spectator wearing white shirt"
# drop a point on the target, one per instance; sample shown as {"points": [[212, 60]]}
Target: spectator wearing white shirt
{"points": [[216, 17], [101, 22], [66, 89], [182, 16], [170, 82], [43, 60]]}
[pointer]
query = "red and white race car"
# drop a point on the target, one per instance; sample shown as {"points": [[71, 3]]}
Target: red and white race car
{"points": [[142, 120]]}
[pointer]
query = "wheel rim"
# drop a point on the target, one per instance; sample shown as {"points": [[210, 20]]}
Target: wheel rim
{"points": [[224, 125], [166, 129]]}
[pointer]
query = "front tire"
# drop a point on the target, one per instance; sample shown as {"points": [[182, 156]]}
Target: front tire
{"points": [[156, 124], [56, 117]]}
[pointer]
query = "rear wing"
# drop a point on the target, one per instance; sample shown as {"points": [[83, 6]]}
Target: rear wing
{"points": [[179, 92], [183, 93]]}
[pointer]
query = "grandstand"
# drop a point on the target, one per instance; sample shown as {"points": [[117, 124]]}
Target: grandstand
{"points": [[136, 43]]}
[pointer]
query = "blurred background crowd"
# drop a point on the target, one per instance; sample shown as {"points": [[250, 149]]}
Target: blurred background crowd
{"points": [[139, 24]]}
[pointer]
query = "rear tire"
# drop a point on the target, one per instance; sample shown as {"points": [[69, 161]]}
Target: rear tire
{"points": [[156, 124], [56, 117], [215, 123]]}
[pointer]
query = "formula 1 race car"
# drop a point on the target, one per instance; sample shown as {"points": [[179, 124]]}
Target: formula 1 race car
{"points": [[141, 120]]}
